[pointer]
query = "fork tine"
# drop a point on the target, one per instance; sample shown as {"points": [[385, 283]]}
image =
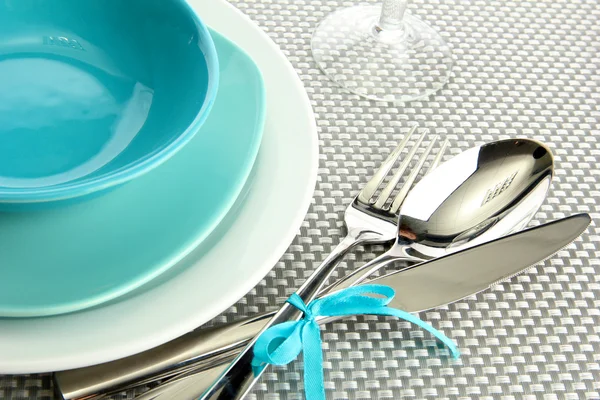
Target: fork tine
{"points": [[371, 187], [411, 179], [438, 158], [387, 191]]}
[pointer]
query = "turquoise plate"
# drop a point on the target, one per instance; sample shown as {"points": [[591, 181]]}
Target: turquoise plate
{"points": [[67, 259]]}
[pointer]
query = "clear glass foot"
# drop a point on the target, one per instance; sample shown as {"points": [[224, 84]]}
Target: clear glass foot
{"points": [[392, 61]]}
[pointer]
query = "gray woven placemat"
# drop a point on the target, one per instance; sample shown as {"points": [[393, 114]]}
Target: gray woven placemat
{"points": [[522, 69]]}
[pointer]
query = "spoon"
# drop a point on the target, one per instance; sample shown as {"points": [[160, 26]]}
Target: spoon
{"points": [[489, 190]]}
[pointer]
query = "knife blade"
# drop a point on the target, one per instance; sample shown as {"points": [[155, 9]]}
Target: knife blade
{"points": [[432, 284]]}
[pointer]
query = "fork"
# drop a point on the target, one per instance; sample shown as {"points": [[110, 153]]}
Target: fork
{"points": [[363, 219], [371, 218]]}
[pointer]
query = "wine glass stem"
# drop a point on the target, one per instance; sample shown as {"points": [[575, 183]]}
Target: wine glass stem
{"points": [[392, 13]]}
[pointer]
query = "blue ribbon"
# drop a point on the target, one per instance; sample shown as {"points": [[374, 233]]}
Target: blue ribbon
{"points": [[282, 343]]}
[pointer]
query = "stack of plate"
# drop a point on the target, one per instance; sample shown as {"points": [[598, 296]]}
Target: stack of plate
{"points": [[117, 274]]}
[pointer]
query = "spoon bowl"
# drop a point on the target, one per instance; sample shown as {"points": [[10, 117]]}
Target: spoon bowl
{"points": [[480, 195]]}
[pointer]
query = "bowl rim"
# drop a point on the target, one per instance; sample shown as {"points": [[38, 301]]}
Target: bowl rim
{"points": [[143, 164]]}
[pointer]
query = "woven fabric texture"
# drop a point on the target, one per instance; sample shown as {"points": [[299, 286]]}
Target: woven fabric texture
{"points": [[522, 68]]}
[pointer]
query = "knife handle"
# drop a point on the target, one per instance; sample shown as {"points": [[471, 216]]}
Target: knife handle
{"points": [[198, 349], [201, 348], [183, 385]]}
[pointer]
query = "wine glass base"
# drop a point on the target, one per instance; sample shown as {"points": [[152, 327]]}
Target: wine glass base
{"points": [[392, 65]]}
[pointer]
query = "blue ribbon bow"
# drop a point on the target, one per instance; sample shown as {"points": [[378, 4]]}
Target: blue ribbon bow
{"points": [[282, 343]]}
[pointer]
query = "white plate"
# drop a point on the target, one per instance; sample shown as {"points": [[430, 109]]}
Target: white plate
{"points": [[266, 224]]}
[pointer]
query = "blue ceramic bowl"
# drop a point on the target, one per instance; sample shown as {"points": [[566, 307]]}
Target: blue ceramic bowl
{"points": [[94, 93]]}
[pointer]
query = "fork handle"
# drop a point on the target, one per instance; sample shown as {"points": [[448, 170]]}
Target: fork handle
{"points": [[189, 384], [398, 252], [240, 376]]}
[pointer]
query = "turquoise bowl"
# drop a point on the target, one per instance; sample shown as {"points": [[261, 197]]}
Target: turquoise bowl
{"points": [[96, 93]]}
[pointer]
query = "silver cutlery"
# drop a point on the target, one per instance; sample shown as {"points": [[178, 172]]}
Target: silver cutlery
{"points": [[482, 194], [509, 212], [368, 220], [459, 201], [432, 284]]}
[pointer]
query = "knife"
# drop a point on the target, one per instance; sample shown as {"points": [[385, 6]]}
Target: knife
{"points": [[420, 287], [432, 284]]}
